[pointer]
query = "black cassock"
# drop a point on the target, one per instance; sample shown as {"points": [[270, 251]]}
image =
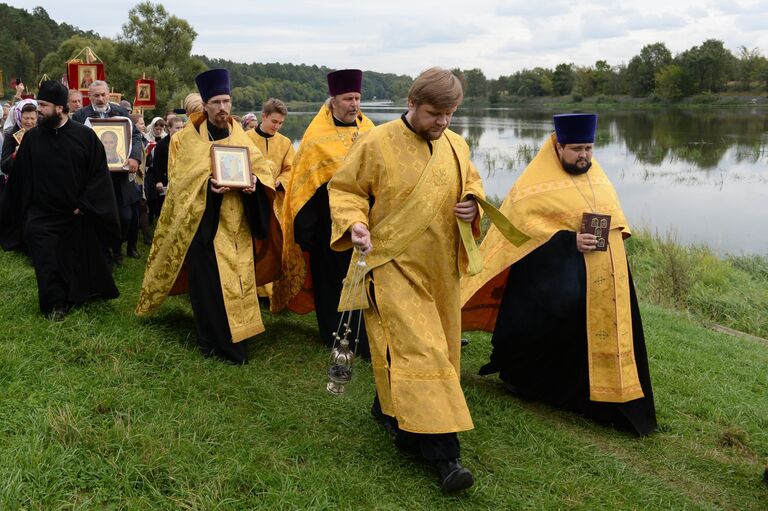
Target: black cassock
{"points": [[312, 228], [540, 339], [57, 171], [211, 325]]}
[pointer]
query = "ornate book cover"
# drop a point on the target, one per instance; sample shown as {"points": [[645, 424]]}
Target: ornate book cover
{"points": [[599, 225]]}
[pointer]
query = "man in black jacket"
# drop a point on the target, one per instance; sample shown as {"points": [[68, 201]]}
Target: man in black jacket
{"points": [[125, 191]]}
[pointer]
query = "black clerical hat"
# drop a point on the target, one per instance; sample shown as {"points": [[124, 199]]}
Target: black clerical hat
{"points": [[345, 80], [213, 82], [53, 92], [575, 128]]}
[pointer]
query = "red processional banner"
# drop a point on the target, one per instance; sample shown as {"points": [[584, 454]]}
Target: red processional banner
{"points": [[145, 93]]}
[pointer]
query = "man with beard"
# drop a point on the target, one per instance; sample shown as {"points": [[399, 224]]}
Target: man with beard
{"points": [[405, 196], [126, 192], [306, 216], [228, 239], [63, 204], [562, 306]]}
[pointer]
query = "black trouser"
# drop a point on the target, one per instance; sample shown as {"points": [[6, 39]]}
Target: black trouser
{"points": [[432, 447], [132, 233]]}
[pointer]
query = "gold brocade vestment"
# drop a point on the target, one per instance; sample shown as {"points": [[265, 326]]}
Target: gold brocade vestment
{"points": [[413, 323], [545, 200], [319, 157], [242, 262], [278, 150]]}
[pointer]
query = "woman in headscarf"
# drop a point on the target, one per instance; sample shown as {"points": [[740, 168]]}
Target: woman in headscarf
{"points": [[24, 115], [250, 121]]}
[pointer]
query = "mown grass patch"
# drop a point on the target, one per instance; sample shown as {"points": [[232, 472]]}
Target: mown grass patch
{"points": [[107, 411]]}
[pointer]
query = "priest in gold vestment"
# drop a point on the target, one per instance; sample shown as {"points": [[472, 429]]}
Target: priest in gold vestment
{"points": [[278, 150], [403, 197], [312, 272], [224, 241], [565, 320]]}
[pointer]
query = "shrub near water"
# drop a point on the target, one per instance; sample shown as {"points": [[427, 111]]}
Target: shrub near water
{"points": [[732, 291]]}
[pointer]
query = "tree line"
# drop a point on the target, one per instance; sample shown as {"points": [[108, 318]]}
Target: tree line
{"points": [[654, 72], [157, 44]]}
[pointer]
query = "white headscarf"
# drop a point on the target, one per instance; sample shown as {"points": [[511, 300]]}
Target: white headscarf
{"points": [[151, 130], [14, 113]]}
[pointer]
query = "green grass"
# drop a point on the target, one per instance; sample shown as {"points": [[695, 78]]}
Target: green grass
{"points": [[732, 291], [107, 411]]}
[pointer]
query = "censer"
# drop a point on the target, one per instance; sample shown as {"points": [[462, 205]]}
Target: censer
{"points": [[342, 355]]}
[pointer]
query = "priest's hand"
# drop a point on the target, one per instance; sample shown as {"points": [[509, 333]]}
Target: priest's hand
{"points": [[585, 242], [78, 212], [361, 237], [251, 188], [133, 165], [215, 188], [466, 211]]}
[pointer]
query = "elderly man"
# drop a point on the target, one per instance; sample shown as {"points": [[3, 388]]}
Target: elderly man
{"points": [[222, 234], [63, 204], [126, 192], [74, 101], [562, 306], [417, 234], [306, 217]]}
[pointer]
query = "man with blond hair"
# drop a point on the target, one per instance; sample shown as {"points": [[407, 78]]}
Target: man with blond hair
{"points": [[405, 199]]}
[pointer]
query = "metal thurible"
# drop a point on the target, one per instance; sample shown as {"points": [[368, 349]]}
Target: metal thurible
{"points": [[342, 359]]}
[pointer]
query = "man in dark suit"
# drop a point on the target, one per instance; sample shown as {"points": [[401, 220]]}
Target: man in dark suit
{"points": [[125, 190]]}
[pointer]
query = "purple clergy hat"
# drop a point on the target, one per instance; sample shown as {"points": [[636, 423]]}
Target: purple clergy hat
{"points": [[213, 82], [53, 92], [575, 128], [345, 80]]}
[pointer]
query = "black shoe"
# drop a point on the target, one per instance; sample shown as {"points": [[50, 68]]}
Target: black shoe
{"points": [[464, 341], [147, 241], [765, 476], [117, 259], [58, 312], [132, 252], [389, 423], [453, 476], [510, 388]]}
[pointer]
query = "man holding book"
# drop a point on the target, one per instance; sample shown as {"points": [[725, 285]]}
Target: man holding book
{"points": [[562, 306]]}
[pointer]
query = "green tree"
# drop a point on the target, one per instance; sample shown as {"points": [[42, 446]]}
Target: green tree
{"points": [[158, 45], [711, 65], [750, 65], [562, 79], [672, 83], [475, 83], [640, 74]]}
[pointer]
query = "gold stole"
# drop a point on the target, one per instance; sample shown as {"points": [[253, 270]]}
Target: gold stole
{"points": [[393, 234], [180, 218], [320, 155], [542, 202]]}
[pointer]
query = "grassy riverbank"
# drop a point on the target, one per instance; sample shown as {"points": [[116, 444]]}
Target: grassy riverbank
{"points": [[105, 411], [731, 291]]}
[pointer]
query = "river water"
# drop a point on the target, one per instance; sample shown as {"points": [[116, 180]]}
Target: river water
{"points": [[700, 176]]}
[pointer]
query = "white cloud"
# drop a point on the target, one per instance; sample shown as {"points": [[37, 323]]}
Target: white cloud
{"points": [[400, 36]]}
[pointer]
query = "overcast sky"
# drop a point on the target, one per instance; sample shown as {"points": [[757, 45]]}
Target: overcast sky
{"points": [[406, 36]]}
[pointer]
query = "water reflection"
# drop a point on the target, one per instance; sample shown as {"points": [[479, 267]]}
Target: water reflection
{"points": [[699, 173]]}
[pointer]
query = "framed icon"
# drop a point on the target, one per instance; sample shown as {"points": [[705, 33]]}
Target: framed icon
{"points": [[145, 93], [80, 76], [115, 135], [19, 136], [231, 166]]}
